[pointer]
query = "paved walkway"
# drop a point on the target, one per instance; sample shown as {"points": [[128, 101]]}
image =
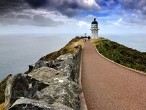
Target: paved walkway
{"points": [[107, 86]]}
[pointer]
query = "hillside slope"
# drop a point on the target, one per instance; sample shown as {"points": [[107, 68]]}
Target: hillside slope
{"points": [[121, 54]]}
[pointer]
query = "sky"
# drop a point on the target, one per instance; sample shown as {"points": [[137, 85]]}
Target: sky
{"points": [[72, 16]]}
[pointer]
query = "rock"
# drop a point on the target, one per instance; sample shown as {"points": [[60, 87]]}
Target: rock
{"points": [[47, 85], [64, 91], [46, 74], [58, 106], [29, 104], [60, 89], [31, 67], [21, 85], [8, 92], [68, 63], [41, 63]]}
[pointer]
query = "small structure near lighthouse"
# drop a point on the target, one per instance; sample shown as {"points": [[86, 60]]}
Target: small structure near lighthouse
{"points": [[94, 29]]}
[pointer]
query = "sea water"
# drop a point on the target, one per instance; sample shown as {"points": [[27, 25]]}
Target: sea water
{"points": [[135, 41], [19, 51]]}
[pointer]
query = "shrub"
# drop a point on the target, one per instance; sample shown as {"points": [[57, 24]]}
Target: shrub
{"points": [[121, 54]]}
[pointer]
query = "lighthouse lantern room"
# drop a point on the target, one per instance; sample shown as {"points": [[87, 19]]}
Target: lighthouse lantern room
{"points": [[94, 29]]}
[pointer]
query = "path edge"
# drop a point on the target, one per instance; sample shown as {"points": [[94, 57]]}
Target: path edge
{"points": [[139, 72], [83, 105]]}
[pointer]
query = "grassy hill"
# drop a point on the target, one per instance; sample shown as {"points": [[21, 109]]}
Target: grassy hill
{"points": [[121, 54]]}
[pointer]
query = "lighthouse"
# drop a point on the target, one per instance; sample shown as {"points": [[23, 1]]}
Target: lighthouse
{"points": [[94, 29]]}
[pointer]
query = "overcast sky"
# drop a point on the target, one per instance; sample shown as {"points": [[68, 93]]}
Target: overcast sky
{"points": [[72, 16]]}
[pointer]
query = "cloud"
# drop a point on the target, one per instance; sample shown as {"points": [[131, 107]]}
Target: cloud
{"points": [[134, 5], [36, 12], [29, 17], [133, 12], [22, 16], [83, 24], [6, 6], [57, 12], [108, 4], [118, 22], [36, 3], [42, 21], [67, 7], [135, 18]]}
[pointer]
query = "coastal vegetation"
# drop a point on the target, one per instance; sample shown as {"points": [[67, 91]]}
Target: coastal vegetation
{"points": [[2, 91], [121, 54], [2, 106], [69, 48]]}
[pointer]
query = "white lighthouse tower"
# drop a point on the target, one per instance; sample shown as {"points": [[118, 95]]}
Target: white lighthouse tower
{"points": [[94, 29]]}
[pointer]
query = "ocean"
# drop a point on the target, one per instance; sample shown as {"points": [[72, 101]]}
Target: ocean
{"points": [[19, 51], [135, 41]]}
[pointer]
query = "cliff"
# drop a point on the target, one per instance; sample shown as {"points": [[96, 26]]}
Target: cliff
{"points": [[49, 84]]}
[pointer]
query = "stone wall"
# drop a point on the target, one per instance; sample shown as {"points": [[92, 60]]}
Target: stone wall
{"points": [[48, 85]]}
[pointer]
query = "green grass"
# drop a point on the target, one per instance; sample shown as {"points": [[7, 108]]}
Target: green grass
{"points": [[121, 54], [69, 48]]}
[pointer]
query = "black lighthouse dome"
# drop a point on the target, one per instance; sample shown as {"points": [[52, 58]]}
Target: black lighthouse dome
{"points": [[94, 22]]}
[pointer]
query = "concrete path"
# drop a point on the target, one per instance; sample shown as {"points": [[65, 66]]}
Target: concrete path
{"points": [[107, 86]]}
